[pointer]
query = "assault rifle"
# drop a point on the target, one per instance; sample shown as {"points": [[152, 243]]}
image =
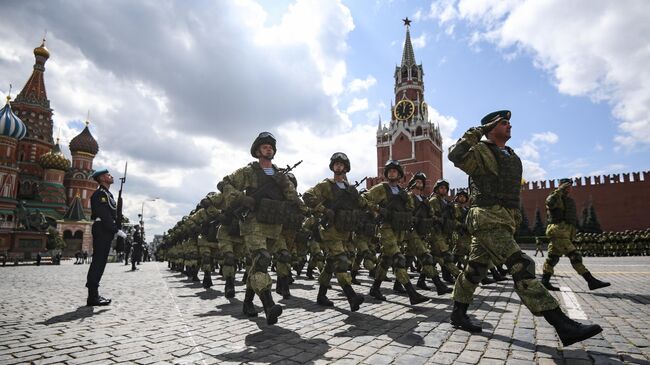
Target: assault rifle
{"points": [[120, 217], [242, 212]]}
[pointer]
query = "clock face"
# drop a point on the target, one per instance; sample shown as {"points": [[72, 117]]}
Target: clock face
{"points": [[423, 108], [404, 109]]}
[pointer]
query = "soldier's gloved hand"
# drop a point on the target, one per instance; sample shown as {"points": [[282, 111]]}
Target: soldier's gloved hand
{"points": [[248, 202], [330, 214], [120, 233], [486, 128]]}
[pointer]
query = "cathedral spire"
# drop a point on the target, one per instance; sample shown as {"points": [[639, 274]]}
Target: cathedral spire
{"points": [[34, 90], [408, 56]]}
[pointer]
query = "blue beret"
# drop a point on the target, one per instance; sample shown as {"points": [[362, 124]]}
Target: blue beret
{"points": [[494, 115], [99, 173]]}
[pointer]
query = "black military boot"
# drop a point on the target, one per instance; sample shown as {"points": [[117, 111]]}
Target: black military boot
{"points": [[95, 300], [282, 287], [371, 273], [272, 310], [398, 287], [249, 308], [502, 270], [375, 290], [460, 320], [354, 299], [229, 288], [446, 276], [546, 281], [496, 275], [310, 273], [195, 275], [414, 296], [354, 274], [207, 280], [422, 282], [569, 330], [322, 297], [441, 288], [487, 281], [244, 277], [593, 282]]}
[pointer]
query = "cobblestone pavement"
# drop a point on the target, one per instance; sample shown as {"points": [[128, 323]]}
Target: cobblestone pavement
{"points": [[158, 316]]}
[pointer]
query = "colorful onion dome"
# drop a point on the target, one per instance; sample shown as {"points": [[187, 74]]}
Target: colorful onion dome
{"points": [[84, 142], [10, 124], [41, 50], [55, 159]]}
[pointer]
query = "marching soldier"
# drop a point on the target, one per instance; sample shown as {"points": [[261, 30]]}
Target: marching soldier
{"points": [[261, 193], [562, 219], [423, 226], [443, 221], [103, 213], [463, 239], [396, 211], [341, 205], [136, 256], [495, 184]]}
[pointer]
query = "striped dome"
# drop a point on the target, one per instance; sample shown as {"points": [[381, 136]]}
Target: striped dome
{"points": [[10, 124]]}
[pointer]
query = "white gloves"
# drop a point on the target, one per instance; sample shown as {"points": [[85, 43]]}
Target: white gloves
{"points": [[121, 233]]}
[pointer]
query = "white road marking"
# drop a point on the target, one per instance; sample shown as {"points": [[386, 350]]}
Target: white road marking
{"points": [[571, 304]]}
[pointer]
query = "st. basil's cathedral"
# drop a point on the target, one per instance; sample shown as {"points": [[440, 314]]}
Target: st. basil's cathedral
{"points": [[39, 186]]}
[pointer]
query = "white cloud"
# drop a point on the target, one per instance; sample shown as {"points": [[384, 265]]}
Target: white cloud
{"points": [[357, 105], [182, 92], [419, 42], [357, 85], [596, 49], [529, 152]]}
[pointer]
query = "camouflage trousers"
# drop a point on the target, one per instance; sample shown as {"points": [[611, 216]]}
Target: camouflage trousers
{"points": [[207, 251], [497, 245], [231, 250], [391, 255], [560, 236], [257, 238], [441, 253], [281, 255], [417, 247], [336, 257], [461, 249], [364, 253]]}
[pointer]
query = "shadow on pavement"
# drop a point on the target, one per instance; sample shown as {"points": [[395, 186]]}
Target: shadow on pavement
{"points": [[636, 298], [274, 344], [79, 313]]}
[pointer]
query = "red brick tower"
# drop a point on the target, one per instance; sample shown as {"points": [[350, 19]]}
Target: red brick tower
{"points": [[33, 108], [410, 137]]}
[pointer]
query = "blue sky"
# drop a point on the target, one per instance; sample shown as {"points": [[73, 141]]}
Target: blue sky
{"points": [[180, 89]]}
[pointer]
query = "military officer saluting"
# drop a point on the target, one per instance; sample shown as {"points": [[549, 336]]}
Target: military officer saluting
{"points": [[495, 183], [103, 213]]}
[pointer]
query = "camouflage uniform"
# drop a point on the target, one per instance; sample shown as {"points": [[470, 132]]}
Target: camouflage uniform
{"points": [[561, 230], [341, 202], [493, 219], [444, 224], [396, 211]]}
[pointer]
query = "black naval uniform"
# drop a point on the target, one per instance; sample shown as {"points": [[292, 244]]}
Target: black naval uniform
{"points": [[103, 213], [136, 256]]}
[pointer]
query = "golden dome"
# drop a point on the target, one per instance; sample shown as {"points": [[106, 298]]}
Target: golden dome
{"points": [[41, 50], [55, 159]]}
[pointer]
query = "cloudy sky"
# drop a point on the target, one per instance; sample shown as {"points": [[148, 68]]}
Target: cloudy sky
{"points": [[180, 89]]}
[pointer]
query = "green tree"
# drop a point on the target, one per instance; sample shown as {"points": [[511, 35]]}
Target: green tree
{"points": [[524, 226], [540, 228], [54, 240], [592, 225]]}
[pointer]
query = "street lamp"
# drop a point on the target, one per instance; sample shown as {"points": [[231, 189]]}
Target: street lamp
{"points": [[141, 215]]}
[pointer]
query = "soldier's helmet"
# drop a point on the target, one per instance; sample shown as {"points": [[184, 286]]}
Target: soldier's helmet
{"points": [[340, 157], [393, 164], [418, 176], [263, 138], [461, 193], [293, 180], [439, 183]]}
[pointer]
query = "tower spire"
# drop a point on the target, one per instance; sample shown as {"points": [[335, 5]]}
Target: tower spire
{"points": [[408, 56]]}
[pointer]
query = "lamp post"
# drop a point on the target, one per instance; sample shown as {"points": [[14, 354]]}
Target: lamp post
{"points": [[141, 215]]}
